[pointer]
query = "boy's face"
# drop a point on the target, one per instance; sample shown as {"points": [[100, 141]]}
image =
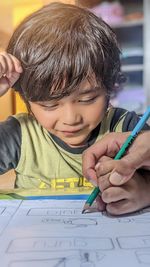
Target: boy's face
{"points": [[73, 117]]}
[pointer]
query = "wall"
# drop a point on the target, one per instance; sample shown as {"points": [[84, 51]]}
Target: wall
{"points": [[12, 12]]}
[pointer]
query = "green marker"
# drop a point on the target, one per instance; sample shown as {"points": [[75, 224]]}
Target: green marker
{"points": [[119, 155]]}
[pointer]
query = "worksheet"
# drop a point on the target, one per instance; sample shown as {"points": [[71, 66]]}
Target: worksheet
{"points": [[7, 210], [54, 233]]}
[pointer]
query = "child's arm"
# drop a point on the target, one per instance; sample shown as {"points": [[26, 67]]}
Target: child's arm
{"points": [[10, 132], [10, 70], [10, 144]]}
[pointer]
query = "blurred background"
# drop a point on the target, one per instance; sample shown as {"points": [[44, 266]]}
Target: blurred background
{"points": [[130, 20]]}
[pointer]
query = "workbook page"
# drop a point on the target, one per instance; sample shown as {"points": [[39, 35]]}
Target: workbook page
{"points": [[7, 211], [54, 233]]}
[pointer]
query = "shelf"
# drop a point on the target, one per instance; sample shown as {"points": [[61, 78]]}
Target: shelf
{"points": [[128, 24], [131, 27], [132, 52], [132, 68]]}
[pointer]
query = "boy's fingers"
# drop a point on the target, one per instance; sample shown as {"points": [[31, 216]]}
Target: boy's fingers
{"points": [[9, 64], [13, 78], [17, 64], [120, 207], [104, 159], [104, 167], [10, 69], [103, 182], [4, 86], [100, 203], [113, 194], [3, 65]]}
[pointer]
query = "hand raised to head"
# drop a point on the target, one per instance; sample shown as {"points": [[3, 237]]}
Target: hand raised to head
{"points": [[10, 70]]}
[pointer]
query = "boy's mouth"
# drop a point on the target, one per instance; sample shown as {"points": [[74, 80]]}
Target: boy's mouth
{"points": [[71, 132]]}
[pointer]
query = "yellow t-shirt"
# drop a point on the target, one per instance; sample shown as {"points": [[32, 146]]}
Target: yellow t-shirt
{"points": [[44, 163]]}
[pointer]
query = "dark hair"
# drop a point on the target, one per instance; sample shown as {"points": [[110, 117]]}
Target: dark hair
{"points": [[59, 46]]}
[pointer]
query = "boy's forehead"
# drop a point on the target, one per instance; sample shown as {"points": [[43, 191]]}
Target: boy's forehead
{"points": [[88, 84], [90, 89]]}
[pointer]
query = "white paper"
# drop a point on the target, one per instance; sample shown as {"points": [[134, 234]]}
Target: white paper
{"points": [[54, 233], [7, 210]]}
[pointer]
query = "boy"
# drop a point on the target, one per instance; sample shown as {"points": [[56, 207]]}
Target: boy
{"points": [[64, 62]]}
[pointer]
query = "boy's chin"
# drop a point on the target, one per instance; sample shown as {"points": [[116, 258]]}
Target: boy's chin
{"points": [[73, 141], [76, 143]]}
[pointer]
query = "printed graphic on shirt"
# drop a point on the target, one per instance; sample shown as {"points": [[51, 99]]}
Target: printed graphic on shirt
{"points": [[70, 183]]}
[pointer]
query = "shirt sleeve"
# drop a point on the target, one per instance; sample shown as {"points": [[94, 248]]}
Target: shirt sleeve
{"points": [[130, 122], [10, 144]]}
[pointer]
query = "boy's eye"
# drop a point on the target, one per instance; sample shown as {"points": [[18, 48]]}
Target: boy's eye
{"points": [[87, 100], [49, 107]]}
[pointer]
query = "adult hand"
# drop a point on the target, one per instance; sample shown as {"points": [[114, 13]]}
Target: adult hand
{"points": [[10, 70], [129, 197], [138, 156]]}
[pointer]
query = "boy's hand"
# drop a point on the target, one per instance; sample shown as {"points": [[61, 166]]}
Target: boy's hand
{"points": [[129, 197], [10, 70]]}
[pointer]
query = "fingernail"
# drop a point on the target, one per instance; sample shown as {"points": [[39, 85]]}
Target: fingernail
{"points": [[115, 178], [93, 182], [9, 75], [97, 165], [20, 69]]}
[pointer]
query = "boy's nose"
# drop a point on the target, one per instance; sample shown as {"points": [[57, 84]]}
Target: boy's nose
{"points": [[71, 116]]}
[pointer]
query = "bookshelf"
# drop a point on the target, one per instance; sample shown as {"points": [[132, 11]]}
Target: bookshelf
{"points": [[133, 33], [131, 36]]}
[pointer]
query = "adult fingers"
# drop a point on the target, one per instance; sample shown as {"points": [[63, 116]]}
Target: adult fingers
{"points": [[90, 158], [108, 145], [103, 182], [104, 166], [101, 205]]}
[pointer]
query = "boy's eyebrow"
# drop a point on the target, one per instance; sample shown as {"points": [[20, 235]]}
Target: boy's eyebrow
{"points": [[84, 92], [90, 90]]}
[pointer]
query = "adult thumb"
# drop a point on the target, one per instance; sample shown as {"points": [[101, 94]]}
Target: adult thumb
{"points": [[117, 178], [124, 169]]}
